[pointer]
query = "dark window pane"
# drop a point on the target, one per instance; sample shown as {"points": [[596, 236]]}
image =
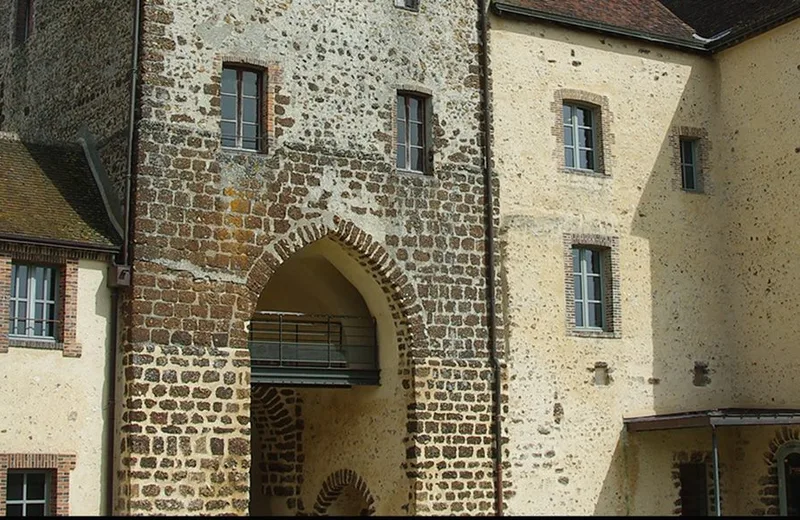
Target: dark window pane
{"points": [[14, 280], [595, 315], [584, 117], [229, 107], [36, 486], [401, 108], [578, 287], [569, 156], [249, 83], [15, 481], [568, 138], [14, 510], [792, 474], [229, 81], [250, 110], [576, 260], [228, 133], [586, 158], [578, 314], [585, 138], [566, 113], [416, 134], [593, 261], [250, 137], [401, 156], [51, 284], [687, 155], [22, 279], [415, 110], [38, 315], [401, 132], [593, 290], [694, 490], [34, 510], [688, 178], [417, 159]]}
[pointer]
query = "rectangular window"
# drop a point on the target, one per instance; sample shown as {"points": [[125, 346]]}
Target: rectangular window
{"points": [[27, 493], [242, 108], [694, 490], [689, 164], [587, 276], [411, 133], [579, 137], [33, 310], [24, 27], [411, 5]]}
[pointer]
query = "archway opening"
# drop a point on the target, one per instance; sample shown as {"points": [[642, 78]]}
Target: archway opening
{"points": [[323, 339]]}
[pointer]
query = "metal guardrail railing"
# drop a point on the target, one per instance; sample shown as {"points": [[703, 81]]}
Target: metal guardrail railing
{"points": [[313, 342]]}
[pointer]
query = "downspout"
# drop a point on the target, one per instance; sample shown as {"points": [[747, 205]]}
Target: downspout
{"points": [[490, 268], [126, 262]]}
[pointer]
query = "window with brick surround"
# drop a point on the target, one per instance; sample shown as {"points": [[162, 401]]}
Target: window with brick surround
{"points": [[242, 103], [592, 286], [24, 25], [689, 163], [413, 111], [579, 136], [582, 128], [694, 489], [28, 493], [34, 302]]}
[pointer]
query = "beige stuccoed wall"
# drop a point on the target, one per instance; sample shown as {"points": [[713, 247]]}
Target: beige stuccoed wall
{"points": [[56, 405], [760, 115], [672, 274]]}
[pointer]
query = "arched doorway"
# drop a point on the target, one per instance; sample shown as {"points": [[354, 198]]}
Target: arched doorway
{"points": [[324, 335]]}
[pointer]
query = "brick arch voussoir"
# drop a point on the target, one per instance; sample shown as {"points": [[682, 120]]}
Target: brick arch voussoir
{"points": [[335, 484]]}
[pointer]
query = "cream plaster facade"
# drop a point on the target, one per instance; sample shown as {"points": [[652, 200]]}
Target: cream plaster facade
{"points": [[704, 277], [57, 405]]}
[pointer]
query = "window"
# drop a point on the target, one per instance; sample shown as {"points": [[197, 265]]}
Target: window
{"points": [[28, 493], [579, 137], [33, 302], [411, 5], [788, 461], [689, 163], [694, 489], [24, 20], [242, 108], [411, 133], [587, 272]]}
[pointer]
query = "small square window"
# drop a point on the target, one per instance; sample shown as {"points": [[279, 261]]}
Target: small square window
{"points": [[28, 493], [411, 5], [579, 137], [412, 133], [34, 302], [241, 104], [690, 163], [25, 13]]}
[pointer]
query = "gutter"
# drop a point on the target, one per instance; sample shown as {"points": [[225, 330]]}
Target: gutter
{"points": [[506, 9], [497, 419], [766, 25], [121, 272]]}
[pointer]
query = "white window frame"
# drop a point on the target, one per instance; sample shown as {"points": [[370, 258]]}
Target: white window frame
{"points": [[406, 137], [692, 162], [25, 502], [575, 130], [36, 274], [583, 275], [240, 96]]}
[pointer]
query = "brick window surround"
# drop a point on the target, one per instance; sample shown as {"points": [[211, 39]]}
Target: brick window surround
{"points": [[67, 307], [603, 136], [703, 184], [59, 467], [271, 112], [426, 94], [609, 247]]}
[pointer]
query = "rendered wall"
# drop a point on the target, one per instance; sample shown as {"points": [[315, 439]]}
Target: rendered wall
{"points": [[57, 405], [567, 448]]}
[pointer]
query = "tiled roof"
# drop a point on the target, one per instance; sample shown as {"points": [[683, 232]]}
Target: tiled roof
{"points": [[712, 17], [673, 21], [48, 193]]}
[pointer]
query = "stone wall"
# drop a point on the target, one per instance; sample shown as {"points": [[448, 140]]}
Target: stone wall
{"points": [[211, 225], [74, 70]]}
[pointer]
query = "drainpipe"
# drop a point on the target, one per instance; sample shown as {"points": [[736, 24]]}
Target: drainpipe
{"points": [[715, 455], [497, 425], [121, 272]]}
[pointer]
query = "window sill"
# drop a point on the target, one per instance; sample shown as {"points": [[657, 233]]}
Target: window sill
{"points": [[594, 333], [585, 173], [693, 192], [414, 173], [37, 344], [241, 150]]}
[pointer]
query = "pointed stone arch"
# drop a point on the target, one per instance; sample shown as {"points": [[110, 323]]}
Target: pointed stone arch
{"points": [[334, 486]]}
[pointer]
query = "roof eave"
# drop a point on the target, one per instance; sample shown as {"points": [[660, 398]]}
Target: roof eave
{"points": [[501, 8], [65, 244], [735, 38]]}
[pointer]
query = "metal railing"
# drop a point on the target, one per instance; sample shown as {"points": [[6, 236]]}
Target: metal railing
{"points": [[287, 340]]}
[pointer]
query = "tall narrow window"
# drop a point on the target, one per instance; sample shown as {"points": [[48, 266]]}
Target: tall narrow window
{"points": [[579, 137], [24, 20], [27, 493], [694, 490], [411, 133], [242, 108], [33, 302], [689, 164], [587, 272]]}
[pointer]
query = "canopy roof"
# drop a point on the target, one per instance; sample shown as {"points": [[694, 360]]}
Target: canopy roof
{"points": [[718, 417]]}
